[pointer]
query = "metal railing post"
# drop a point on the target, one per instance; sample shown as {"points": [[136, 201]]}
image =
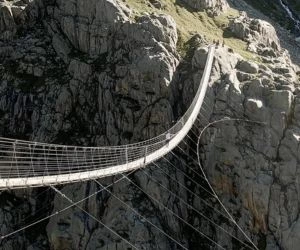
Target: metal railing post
{"points": [[126, 154], [146, 149]]}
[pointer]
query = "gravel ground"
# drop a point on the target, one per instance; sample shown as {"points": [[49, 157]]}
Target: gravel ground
{"points": [[286, 38]]}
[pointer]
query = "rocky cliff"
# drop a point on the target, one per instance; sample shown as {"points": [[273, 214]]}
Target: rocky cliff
{"points": [[286, 12], [102, 73]]}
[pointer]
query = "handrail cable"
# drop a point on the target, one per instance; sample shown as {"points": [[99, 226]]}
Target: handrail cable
{"points": [[36, 163]]}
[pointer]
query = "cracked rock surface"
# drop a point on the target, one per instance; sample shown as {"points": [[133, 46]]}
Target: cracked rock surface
{"points": [[254, 167], [88, 73], [214, 7]]}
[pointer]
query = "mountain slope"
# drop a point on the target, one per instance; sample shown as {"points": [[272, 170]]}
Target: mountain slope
{"points": [[113, 72]]}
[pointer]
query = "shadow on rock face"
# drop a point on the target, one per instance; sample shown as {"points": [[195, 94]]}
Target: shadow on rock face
{"points": [[86, 74]]}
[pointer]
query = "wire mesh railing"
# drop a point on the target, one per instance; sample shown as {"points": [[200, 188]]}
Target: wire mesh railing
{"points": [[26, 159]]}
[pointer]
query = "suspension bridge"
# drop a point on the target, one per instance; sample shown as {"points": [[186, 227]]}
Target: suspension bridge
{"points": [[30, 164], [27, 164]]}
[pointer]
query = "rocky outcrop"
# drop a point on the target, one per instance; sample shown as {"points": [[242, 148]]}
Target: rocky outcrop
{"points": [[214, 7], [260, 34], [90, 27], [253, 167], [89, 73], [13, 14], [284, 12], [7, 24], [117, 71]]}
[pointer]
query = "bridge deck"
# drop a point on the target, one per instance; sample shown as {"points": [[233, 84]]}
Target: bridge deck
{"points": [[30, 164]]}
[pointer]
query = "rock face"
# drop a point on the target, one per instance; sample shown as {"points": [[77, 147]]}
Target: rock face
{"points": [[88, 73], [214, 7], [286, 12], [257, 32], [93, 31], [7, 23], [253, 167], [14, 13]]}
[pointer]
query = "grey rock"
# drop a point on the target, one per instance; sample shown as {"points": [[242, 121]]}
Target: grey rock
{"points": [[108, 79], [291, 237], [61, 47], [281, 100], [38, 72], [7, 25], [157, 4], [199, 58], [248, 67], [90, 33], [12, 15], [256, 31], [255, 110], [215, 7]]}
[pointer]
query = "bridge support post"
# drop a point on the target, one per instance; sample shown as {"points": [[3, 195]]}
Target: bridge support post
{"points": [[146, 149], [126, 154]]}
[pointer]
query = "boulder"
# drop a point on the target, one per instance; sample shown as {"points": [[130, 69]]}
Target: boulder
{"points": [[256, 31], [214, 7], [248, 67], [281, 100]]}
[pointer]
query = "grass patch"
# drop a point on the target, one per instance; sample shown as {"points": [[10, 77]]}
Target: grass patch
{"points": [[190, 23]]}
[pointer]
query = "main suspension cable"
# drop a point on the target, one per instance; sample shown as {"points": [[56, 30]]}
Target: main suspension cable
{"points": [[203, 172], [143, 217], [64, 209], [177, 216], [92, 216], [191, 207]]}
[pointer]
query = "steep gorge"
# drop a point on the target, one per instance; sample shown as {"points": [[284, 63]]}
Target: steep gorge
{"points": [[102, 73]]}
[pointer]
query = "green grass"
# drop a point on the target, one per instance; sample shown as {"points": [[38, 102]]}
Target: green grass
{"points": [[190, 23]]}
